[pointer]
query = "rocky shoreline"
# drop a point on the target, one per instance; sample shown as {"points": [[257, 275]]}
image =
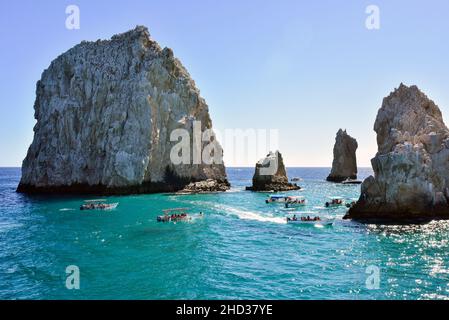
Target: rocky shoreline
{"points": [[207, 186]]}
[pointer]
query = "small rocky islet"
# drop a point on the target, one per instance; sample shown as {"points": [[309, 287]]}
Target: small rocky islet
{"points": [[344, 165], [105, 111], [270, 175]]}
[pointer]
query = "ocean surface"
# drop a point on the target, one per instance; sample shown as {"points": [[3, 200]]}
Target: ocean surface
{"points": [[241, 249]]}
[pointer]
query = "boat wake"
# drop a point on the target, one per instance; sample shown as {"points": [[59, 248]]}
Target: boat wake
{"points": [[249, 215], [240, 213], [67, 209]]}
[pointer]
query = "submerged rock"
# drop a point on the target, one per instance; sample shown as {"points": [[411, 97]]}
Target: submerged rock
{"points": [[411, 167], [105, 111], [344, 165], [207, 186], [270, 175]]}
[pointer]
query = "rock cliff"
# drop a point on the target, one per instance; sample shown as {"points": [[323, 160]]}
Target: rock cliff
{"points": [[344, 165], [105, 112], [411, 167], [270, 175]]}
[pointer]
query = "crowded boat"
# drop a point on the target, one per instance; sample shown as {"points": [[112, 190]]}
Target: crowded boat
{"points": [[334, 202], [295, 202], [98, 204], [175, 215], [308, 219]]}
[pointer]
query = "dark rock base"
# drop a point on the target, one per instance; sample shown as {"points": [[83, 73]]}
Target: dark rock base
{"points": [[339, 179], [380, 213], [85, 189], [274, 187]]}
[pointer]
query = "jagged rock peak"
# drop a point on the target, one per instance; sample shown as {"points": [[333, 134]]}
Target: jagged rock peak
{"points": [[411, 167], [344, 165]]}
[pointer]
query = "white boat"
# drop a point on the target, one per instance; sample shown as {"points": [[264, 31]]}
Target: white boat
{"points": [[310, 219], [297, 201], [276, 199], [174, 215], [351, 181], [98, 204], [334, 202], [323, 222]]}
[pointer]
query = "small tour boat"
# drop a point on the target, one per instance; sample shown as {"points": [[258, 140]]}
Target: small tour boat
{"points": [[174, 215], [276, 199], [295, 202], [334, 202], [351, 181], [98, 204], [310, 219], [295, 179]]}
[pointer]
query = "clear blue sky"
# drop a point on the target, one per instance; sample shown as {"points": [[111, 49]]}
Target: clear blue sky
{"points": [[304, 67]]}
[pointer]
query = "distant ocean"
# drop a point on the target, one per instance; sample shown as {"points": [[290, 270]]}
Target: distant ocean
{"points": [[241, 249]]}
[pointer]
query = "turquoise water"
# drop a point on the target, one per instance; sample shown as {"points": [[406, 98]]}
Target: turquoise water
{"points": [[241, 249]]}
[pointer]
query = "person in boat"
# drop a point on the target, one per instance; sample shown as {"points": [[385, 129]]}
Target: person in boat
{"points": [[294, 218]]}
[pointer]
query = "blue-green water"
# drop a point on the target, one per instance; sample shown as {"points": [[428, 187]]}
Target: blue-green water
{"points": [[241, 249]]}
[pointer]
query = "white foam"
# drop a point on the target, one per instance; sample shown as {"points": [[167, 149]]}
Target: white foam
{"points": [[249, 215], [241, 214]]}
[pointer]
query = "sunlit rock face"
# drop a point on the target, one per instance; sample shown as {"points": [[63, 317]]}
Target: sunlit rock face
{"points": [[411, 167], [105, 111], [270, 175], [344, 165]]}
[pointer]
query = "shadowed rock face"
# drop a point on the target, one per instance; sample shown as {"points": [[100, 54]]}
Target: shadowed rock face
{"points": [[411, 167], [344, 165], [270, 175], [105, 111]]}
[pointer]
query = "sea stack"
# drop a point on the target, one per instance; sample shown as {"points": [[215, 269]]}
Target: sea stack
{"points": [[411, 167], [105, 114], [344, 165], [270, 175]]}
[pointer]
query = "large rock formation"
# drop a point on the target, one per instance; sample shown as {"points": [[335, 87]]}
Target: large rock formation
{"points": [[270, 175], [411, 167], [344, 165], [105, 111]]}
